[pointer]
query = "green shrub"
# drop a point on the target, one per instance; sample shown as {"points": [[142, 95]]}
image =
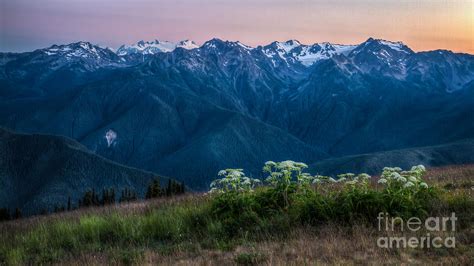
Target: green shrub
{"points": [[238, 214], [297, 197]]}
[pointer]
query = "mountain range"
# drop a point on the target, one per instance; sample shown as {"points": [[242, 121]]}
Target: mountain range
{"points": [[187, 111]]}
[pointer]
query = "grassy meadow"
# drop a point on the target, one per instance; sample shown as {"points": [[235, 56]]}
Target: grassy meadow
{"points": [[283, 223]]}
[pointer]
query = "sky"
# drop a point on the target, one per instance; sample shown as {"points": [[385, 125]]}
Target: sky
{"points": [[421, 24]]}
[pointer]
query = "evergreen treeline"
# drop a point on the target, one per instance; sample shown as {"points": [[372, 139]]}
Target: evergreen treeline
{"points": [[6, 214], [107, 197], [173, 188]]}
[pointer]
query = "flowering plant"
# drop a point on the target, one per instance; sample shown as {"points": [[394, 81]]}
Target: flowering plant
{"points": [[233, 180], [282, 173], [353, 180], [394, 178]]}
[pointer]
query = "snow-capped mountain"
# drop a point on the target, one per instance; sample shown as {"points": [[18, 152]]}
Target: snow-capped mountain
{"points": [[225, 103], [293, 51], [94, 55], [79, 49], [59, 62], [153, 47], [310, 54]]}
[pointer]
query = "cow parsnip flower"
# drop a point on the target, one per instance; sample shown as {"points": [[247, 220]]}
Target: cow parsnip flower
{"points": [[351, 182], [402, 179], [342, 179], [395, 176], [285, 173], [418, 168], [233, 180], [364, 176]]}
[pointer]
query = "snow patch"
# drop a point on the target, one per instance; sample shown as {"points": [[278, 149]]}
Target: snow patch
{"points": [[110, 137], [397, 46], [156, 46]]}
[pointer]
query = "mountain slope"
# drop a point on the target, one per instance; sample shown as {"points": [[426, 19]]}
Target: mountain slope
{"points": [[41, 171], [162, 108], [239, 142], [460, 152]]}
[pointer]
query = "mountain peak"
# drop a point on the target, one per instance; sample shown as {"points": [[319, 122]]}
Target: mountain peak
{"points": [[293, 42], [397, 46], [213, 43], [218, 43], [187, 44], [155, 46], [76, 49], [284, 47]]}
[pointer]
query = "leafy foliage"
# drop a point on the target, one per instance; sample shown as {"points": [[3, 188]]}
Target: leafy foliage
{"points": [[232, 217], [299, 196], [233, 180]]}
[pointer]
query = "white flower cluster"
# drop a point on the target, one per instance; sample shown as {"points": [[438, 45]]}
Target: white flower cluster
{"points": [[233, 180], [396, 177], [352, 179], [283, 172], [321, 179], [289, 172]]}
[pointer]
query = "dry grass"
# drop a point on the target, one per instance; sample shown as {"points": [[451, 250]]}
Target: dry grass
{"points": [[325, 244], [130, 208], [461, 175], [328, 244]]}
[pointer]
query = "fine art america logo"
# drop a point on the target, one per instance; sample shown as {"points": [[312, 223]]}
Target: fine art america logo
{"points": [[414, 224]]}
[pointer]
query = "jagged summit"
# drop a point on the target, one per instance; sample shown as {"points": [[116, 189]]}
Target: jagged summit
{"points": [[187, 44], [381, 43], [224, 104], [279, 52], [153, 47]]}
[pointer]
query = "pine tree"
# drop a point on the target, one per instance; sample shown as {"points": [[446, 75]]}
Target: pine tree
{"points": [[108, 196], [112, 195], [149, 192], [168, 188], [17, 214], [95, 198], [69, 203], [153, 189], [4, 214]]}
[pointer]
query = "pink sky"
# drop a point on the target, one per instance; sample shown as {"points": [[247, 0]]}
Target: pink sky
{"points": [[421, 24]]}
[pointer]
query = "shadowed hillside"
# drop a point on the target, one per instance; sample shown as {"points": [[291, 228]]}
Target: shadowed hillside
{"points": [[40, 171], [460, 152], [188, 113]]}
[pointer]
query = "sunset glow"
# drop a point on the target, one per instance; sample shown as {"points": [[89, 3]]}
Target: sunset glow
{"points": [[421, 24]]}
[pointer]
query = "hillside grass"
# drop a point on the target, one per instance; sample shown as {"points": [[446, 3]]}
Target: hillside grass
{"points": [[328, 225]]}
